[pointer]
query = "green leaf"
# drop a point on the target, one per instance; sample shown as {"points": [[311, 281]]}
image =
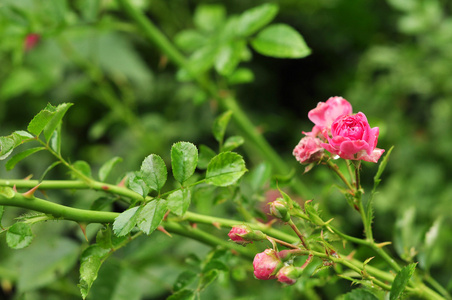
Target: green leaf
{"points": [[215, 264], [220, 124], [2, 211], [228, 57], [153, 171], [19, 235], [254, 19], [381, 168], [205, 156], [360, 294], [209, 17], [179, 201], [136, 183], [83, 167], [8, 143], [55, 140], [55, 121], [189, 40], [430, 241], [225, 169], [20, 156], [103, 238], [401, 280], [241, 75], [199, 62], [184, 279], [126, 221], [280, 41], [207, 279], [184, 158], [90, 263], [232, 143], [151, 216], [182, 295], [106, 168], [40, 121]]}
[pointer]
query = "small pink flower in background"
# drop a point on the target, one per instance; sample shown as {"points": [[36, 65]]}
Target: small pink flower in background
{"points": [[326, 112], [31, 40], [308, 150], [237, 232], [266, 264], [352, 138]]}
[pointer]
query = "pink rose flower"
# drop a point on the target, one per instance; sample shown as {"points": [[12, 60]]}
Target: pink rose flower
{"points": [[308, 150], [326, 112], [266, 264], [352, 138]]}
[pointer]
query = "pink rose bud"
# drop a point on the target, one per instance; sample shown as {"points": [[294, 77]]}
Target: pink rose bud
{"points": [[352, 138], [289, 274], [266, 264], [308, 150], [31, 40], [326, 112], [279, 209], [243, 234]]}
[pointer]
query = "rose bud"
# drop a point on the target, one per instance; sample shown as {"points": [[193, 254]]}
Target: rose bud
{"points": [[243, 234], [266, 264], [279, 209], [289, 274]]}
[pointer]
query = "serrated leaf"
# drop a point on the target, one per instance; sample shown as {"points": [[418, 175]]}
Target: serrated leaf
{"points": [[220, 124], [136, 183], [255, 18], [83, 167], [199, 62], [106, 168], [126, 221], [209, 17], [179, 201], [153, 172], [360, 294], [152, 215], [184, 158], [55, 120], [281, 41], [19, 235], [225, 169], [55, 140], [20, 156], [228, 57], [205, 155], [103, 238], [40, 121], [184, 279], [233, 142], [8, 143], [182, 295], [401, 281], [215, 264], [90, 263]]}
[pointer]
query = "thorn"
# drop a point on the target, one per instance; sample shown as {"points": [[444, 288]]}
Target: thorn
{"points": [[28, 177], [217, 225], [381, 245], [14, 188], [122, 183], [194, 225], [166, 215], [328, 222], [160, 228], [29, 194], [105, 188], [83, 228], [350, 256]]}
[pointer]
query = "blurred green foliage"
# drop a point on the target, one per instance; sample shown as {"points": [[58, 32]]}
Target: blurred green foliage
{"points": [[391, 59]]}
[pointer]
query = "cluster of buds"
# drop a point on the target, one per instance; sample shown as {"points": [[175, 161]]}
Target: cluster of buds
{"points": [[280, 210], [269, 265]]}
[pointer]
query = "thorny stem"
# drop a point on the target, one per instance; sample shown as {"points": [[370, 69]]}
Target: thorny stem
{"points": [[299, 234], [338, 172]]}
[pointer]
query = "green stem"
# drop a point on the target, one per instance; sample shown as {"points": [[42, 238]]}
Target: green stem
{"points": [[338, 172], [227, 102], [299, 234]]}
